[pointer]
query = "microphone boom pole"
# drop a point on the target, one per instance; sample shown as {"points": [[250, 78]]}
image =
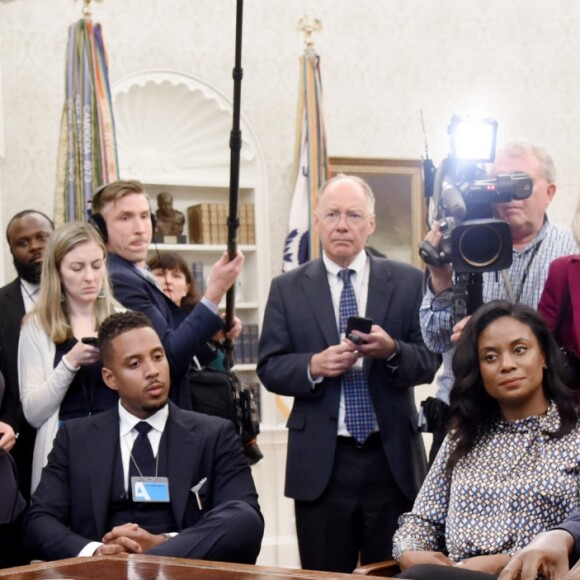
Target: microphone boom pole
{"points": [[235, 148]]}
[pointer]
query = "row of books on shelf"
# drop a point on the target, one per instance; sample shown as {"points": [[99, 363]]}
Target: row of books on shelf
{"points": [[198, 270], [208, 223], [246, 345]]}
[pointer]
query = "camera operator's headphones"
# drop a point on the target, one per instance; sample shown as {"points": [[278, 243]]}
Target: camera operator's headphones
{"points": [[98, 221]]}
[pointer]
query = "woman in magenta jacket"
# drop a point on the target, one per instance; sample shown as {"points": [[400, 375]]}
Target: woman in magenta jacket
{"points": [[560, 303]]}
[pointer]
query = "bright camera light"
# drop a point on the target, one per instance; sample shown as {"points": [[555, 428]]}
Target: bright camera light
{"points": [[473, 139]]}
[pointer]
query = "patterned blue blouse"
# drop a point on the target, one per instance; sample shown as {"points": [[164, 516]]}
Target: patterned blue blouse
{"points": [[515, 483]]}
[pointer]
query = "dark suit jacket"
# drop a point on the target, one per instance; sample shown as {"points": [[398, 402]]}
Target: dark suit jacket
{"points": [[563, 273], [12, 308], [70, 506], [572, 524], [299, 321], [183, 337], [12, 311]]}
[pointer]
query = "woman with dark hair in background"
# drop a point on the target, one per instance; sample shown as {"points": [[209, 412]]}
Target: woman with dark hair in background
{"points": [[175, 279], [58, 367], [509, 467], [560, 306]]}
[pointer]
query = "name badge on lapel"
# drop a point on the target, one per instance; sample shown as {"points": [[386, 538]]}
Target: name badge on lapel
{"points": [[150, 489]]}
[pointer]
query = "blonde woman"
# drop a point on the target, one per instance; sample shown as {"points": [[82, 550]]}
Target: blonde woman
{"points": [[58, 367]]}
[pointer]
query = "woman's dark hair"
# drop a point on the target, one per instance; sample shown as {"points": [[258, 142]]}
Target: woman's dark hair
{"points": [[471, 408], [173, 261]]}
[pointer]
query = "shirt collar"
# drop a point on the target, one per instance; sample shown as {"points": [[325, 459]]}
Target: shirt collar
{"points": [[358, 264], [549, 422], [538, 239], [128, 421], [32, 289]]}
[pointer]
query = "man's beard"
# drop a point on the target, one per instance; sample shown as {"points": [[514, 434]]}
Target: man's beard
{"points": [[154, 407], [29, 272]]}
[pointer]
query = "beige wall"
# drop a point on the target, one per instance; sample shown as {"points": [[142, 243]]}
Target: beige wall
{"points": [[382, 61]]}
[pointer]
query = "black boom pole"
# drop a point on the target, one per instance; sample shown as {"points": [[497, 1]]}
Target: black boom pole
{"points": [[235, 148]]}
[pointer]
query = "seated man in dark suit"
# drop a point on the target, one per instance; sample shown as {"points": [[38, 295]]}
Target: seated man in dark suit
{"points": [[146, 476], [122, 213]]}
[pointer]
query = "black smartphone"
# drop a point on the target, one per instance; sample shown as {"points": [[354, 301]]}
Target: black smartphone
{"points": [[359, 323], [92, 340]]}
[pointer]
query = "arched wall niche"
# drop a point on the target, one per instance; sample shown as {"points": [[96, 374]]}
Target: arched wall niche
{"points": [[174, 127]]}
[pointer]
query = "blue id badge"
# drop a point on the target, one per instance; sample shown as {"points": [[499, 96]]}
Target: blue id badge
{"points": [[150, 489]]}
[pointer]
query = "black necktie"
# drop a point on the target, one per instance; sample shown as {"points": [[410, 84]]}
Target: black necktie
{"points": [[142, 462]]}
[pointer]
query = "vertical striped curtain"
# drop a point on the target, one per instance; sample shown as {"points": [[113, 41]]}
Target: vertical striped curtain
{"points": [[87, 151], [313, 170]]}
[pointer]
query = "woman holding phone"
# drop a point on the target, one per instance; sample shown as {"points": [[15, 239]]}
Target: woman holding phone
{"points": [[58, 360]]}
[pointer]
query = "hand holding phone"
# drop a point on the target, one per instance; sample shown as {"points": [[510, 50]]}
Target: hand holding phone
{"points": [[92, 340], [359, 323]]}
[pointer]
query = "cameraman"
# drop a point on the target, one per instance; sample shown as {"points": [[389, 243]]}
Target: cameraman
{"points": [[536, 243]]}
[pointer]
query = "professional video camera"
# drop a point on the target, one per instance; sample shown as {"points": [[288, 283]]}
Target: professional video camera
{"points": [[461, 200]]}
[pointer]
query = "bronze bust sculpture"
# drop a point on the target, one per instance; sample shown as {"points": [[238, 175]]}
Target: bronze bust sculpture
{"points": [[170, 221]]}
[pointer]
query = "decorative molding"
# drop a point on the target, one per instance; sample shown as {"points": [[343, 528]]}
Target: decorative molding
{"points": [[174, 127]]}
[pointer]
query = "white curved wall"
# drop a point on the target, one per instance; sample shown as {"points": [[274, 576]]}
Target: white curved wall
{"points": [[381, 63]]}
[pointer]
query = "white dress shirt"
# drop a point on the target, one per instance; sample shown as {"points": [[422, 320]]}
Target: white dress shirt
{"points": [[29, 293]]}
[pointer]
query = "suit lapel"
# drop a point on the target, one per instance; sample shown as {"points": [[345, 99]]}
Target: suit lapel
{"points": [[102, 445], [380, 292], [14, 314], [15, 295], [317, 294], [180, 445]]}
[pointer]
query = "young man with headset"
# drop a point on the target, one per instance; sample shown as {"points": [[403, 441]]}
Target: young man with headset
{"points": [[122, 213]]}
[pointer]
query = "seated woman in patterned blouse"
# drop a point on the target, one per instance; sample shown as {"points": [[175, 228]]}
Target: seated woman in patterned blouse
{"points": [[509, 467]]}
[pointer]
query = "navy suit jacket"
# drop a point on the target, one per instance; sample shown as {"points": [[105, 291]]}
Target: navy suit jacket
{"points": [[299, 321], [183, 336], [70, 506]]}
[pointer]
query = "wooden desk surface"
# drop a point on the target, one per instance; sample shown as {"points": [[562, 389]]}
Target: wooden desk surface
{"points": [[138, 567]]}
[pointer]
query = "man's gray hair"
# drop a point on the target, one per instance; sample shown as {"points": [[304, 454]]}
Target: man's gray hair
{"points": [[520, 149], [359, 180]]}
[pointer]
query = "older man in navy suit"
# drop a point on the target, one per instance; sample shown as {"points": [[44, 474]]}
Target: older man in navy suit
{"points": [[122, 213], [355, 456], [146, 477]]}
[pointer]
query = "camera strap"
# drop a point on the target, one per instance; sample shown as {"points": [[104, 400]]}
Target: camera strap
{"points": [[515, 298]]}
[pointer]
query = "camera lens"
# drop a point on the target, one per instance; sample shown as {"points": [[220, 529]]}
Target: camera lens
{"points": [[480, 246]]}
